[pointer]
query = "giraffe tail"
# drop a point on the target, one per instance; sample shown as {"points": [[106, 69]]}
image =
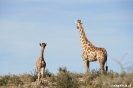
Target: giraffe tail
{"points": [[106, 64]]}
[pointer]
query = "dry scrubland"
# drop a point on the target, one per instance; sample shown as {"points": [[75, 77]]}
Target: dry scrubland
{"points": [[67, 79]]}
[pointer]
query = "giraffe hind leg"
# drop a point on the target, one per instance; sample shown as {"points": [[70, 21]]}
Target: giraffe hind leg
{"points": [[102, 67]]}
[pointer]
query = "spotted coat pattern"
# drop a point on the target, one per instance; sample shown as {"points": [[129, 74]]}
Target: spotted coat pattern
{"points": [[90, 52], [41, 64]]}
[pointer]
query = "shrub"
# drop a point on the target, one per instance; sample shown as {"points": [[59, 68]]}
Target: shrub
{"points": [[34, 74], [65, 80], [26, 78], [10, 80]]}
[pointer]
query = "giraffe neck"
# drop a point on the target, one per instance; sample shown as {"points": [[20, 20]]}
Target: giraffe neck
{"points": [[83, 39], [42, 53]]}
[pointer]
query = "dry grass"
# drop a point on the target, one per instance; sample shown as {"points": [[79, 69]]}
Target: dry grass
{"points": [[67, 79]]}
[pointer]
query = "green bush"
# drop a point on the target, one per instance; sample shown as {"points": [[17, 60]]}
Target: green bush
{"points": [[65, 80], [34, 74], [10, 80]]}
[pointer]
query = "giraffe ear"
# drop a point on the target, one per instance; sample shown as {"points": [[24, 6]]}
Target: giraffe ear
{"points": [[40, 44], [81, 22], [46, 43]]}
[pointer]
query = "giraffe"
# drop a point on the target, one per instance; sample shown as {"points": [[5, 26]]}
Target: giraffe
{"points": [[90, 52], [41, 64]]}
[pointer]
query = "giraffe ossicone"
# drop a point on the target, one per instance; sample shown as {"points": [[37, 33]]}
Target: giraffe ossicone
{"points": [[90, 52]]}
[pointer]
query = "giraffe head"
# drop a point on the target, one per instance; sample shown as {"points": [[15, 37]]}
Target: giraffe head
{"points": [[78, 23], [43, 45]]}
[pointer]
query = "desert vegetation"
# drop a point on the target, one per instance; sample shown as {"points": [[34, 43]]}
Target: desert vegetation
{"points": [[67, 79]]}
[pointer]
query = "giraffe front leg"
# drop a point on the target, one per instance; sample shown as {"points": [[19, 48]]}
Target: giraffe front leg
{"points": [[86, 65], [39, 74], [42, 72]]}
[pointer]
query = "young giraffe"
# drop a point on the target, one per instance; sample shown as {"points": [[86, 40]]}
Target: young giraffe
{"points": [[90, 52], [40, 64]]}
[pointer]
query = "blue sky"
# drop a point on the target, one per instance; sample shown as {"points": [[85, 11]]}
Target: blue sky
{"points": [[26, 23]]}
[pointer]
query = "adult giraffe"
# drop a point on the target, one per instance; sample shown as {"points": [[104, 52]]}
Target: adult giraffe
{"points": [[90, 52]]}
